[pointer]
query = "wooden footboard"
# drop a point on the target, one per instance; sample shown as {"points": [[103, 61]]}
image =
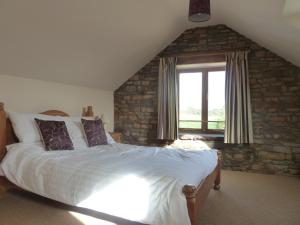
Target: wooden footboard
{"points": [[196, 196]]}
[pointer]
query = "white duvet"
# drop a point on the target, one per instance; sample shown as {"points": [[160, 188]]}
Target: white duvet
{"points": [[142, 184]]}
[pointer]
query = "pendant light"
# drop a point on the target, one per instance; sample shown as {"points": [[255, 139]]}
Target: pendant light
{"points": [[199, 10]]}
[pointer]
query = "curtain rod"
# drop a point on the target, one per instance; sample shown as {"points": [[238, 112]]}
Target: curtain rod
{"points": [[203, 53]]}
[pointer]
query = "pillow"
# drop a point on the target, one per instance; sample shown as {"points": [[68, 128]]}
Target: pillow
{"points": [[54, 135], [76, 132], [27, 131], [25, 127], [94, 132]]}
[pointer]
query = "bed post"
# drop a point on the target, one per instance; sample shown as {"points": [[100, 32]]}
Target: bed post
{"points": [[2, 130], [190, 193], [196, 196], [218, 177]]}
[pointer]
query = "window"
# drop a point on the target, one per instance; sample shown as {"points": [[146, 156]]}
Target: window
{"points": [[202, 98]]}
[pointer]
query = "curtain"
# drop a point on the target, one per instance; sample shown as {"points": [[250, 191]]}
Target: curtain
{"points": [[238, 118], [168, 89]]}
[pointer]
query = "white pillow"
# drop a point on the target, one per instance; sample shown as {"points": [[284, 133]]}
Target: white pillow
{"points": [[25, 127], [75, 131], [77, 134], [110, 140], [27, 130]]}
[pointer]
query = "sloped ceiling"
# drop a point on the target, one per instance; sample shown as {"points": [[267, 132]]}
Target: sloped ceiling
{"points": [[101, 43]]}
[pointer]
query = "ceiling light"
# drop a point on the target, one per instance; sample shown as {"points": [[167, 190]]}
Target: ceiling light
{"points": [[199, 10]]}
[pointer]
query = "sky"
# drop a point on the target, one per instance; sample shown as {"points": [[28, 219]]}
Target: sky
{"points": [[191, 90]]}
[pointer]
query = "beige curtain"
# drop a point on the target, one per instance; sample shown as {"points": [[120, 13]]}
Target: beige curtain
{"points": [[238, 116], [167, 99]]}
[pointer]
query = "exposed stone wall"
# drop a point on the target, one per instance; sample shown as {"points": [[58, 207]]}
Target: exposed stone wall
{"points": [[275, 98]]}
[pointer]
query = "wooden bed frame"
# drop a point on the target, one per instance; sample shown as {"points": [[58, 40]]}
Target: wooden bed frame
{"points": [[195, 195]]}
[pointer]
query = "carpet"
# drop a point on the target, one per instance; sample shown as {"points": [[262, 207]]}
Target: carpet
{"points": [[244, 199]]}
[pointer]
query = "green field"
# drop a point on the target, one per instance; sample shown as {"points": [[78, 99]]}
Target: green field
{"points": [[220, 125], [189, 118]]}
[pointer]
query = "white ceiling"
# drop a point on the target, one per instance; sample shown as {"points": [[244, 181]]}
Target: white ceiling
{"points": [[101, 43]]}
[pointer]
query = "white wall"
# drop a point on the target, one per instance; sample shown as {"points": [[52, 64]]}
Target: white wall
{"points": [[30, 95]]}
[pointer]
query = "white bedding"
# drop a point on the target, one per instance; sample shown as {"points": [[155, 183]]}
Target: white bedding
{"points": [[142, 184]]}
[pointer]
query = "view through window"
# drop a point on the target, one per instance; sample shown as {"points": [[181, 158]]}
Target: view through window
{"points": [[202, 99]]}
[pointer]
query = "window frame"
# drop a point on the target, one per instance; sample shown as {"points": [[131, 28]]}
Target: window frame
{"points": [[204, 114]]}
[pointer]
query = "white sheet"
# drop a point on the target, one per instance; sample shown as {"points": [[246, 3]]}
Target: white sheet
{"points": [[142, 184]]}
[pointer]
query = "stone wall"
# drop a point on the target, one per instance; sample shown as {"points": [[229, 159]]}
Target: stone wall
{"points": [[275, 98]]}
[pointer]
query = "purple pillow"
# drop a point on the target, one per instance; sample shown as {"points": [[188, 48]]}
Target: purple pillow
{"points": [[94, 132], [54, 135]]}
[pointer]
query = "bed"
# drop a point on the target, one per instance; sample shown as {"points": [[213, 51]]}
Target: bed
{"points": [[150, 185]]}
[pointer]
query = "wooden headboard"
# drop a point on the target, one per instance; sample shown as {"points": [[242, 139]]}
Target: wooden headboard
{"points": [[7, 135]]}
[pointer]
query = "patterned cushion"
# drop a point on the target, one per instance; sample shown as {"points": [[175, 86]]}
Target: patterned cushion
{"points": [[94, 132], [54, 135]]}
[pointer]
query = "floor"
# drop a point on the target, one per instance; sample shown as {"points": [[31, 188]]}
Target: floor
{"points": [[253, 199], [245, 199]]}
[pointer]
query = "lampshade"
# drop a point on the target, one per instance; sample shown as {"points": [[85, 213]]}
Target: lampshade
{"points": [[199, 10]]}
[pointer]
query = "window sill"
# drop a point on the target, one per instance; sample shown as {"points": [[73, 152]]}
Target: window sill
{"points": [[201, 137]]}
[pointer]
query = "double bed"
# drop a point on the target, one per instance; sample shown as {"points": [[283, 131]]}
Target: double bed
{"points": [[150, 185]]}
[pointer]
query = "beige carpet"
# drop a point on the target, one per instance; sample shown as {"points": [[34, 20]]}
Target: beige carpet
{"points": [[245, 199]]}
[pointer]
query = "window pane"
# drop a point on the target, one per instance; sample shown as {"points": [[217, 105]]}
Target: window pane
{"points": [[216, 100], [190, 100]]}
